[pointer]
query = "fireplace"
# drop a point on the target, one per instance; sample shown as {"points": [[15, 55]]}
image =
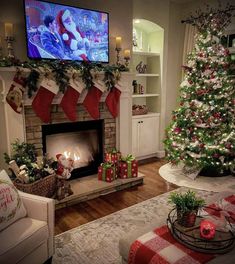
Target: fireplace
{"points": [[81, 142]]}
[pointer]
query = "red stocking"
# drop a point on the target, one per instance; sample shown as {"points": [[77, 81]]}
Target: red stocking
{"points": [[112, 101], [70, 99], [42, 102], [91, 102], [15, 94]]}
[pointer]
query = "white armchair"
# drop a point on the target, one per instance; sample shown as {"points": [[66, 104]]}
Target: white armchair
{"points": [[30, 239]]}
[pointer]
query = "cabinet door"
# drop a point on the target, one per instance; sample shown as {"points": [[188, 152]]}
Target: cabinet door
{"points": [[149, 136], [135, 137]]}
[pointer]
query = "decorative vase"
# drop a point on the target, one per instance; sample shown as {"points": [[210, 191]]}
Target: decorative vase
{"points": [[186, 219]]}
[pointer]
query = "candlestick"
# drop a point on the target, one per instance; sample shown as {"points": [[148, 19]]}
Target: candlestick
{"points": [[10, 50], [8, 30], [127, 53], [127, 56], [9, 39], [118, 43], [118, 49]]}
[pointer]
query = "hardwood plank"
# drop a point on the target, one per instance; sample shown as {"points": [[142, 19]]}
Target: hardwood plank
{"points": [[154, 184]]}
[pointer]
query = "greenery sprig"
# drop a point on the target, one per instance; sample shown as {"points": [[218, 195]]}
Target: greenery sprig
{"points": [[60, 70], [186, 202]]}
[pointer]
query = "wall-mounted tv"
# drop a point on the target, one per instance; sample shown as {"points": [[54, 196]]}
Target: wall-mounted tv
{"points": [[56, 31]]}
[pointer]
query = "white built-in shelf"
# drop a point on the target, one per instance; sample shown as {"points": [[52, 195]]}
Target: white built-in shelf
{"points": [[145, 53], [144, 95], [150, 114], [231, 49], [147, 75]]}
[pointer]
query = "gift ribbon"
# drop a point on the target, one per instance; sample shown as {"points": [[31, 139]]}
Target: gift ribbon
{"points": [[112, 154], [106, 166], [128, 159]]}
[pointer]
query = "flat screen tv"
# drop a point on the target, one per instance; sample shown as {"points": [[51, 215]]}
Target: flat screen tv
{"points": [[56, 31]]}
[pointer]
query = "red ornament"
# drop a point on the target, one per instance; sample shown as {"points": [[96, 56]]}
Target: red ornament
{"points": [[207, 229], [216, 155], [177, 130], [228, 145], [216, 115]]}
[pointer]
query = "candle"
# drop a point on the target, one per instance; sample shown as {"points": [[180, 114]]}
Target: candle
{"points": [[207, 229], [127, 53], [8, 29], [118, 42]]}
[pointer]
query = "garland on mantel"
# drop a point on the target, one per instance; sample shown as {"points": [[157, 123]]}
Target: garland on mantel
{"points": [[62, 71]]}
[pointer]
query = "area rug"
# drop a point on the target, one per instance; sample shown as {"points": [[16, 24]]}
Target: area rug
{"points": [[175, 175], [97, 242]]}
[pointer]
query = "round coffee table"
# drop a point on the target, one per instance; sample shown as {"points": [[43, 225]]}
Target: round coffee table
{"points": [[223, 241]]}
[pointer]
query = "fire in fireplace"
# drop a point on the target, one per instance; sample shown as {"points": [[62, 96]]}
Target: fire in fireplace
{"points": [[81, 142]]}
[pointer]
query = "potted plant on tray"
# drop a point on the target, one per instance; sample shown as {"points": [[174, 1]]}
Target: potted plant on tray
{"points": [[187, 206], [31, 173]]}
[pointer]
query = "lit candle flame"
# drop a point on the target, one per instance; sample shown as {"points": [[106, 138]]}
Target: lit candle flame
{"points": [[67, 154], [76, 157]]}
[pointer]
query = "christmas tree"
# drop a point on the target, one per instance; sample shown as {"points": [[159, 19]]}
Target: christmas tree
{"points": [[202, 131]]}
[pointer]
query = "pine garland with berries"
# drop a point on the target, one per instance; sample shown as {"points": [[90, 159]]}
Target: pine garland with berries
{"points": [[61, 71], [202, 131]]}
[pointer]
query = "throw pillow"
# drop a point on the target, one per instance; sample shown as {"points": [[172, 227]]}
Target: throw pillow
{"points": [[11, 205]]}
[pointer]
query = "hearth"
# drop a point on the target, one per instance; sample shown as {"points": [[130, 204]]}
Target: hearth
{"points": [[80, 141]]}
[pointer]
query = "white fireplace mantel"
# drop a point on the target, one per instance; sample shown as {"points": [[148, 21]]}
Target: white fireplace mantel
{"points": [[13, 124]]}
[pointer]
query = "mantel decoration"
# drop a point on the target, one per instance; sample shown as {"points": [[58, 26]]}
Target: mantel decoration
{"points": [[202, 132], [71, 77]]}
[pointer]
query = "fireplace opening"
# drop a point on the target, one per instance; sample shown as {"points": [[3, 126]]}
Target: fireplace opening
{"points": [[82, 142]]}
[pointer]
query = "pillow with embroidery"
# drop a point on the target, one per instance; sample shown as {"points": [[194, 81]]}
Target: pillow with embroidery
{"points": [[11, 205]]}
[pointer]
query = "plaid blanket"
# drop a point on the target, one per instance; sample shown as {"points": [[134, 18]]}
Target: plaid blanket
{"points": [[159, 246]]}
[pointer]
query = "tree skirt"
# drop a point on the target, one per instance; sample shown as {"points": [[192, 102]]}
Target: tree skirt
{"points": [[97, 242], [217, 184]]}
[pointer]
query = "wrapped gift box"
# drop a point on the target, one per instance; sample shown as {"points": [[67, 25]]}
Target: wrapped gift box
{"points": [[114, 156], [128, 167], [107, 172]]}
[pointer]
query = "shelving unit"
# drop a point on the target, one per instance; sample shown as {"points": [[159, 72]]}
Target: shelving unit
{"points": [[145, 128], [150, 80]]}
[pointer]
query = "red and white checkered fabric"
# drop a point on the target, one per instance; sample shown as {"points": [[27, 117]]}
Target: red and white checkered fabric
{"points": [[224, 205], [159, 246]]}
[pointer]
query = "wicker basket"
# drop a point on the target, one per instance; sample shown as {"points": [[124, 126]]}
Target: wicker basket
{"points": [[140, 111], [44, 187]]}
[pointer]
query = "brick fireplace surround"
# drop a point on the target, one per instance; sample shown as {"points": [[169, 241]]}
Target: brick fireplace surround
{"points": [[33, 124], [27, 126]]}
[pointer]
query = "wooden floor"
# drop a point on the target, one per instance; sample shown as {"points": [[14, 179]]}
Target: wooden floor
{"points": [[73, 216]]}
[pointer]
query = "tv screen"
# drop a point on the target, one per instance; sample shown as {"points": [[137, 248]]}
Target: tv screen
{"points": [[63, 32]]}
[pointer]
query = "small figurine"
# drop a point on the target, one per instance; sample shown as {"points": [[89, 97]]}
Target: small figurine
{"points": [[63, 173], [141, 67]]}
